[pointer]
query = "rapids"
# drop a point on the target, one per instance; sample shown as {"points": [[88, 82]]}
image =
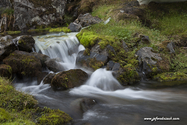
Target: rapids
{"points": [[116, 105]]}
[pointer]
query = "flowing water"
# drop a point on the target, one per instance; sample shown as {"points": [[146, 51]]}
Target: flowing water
{"points": [[116, 105]]}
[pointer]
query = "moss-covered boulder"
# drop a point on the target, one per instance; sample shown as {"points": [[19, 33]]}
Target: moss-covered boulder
{"points": [[151, 62], [128, 75], [25, 43], [23, 63], [48, 78], [54, 117], [5, 71], [69, 79], [4, 115], [18, 108], [171, 76], [41, 57], [12, 99], [7, 46]]}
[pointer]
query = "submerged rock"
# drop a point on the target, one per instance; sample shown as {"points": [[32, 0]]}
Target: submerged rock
{"points": [[48, 78], [69, 79], [5, 71], [82, 104], [23, 63]]}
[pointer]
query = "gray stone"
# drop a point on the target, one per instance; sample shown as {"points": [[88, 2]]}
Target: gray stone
{"points": [[171, 47], [54, 65], [87, 20], [74, 27]]}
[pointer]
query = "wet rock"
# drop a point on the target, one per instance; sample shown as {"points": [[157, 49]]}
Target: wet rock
{"points": [[93, 60], [126, 75], [69, 79], [54, 65], [110, 65], [25, 43], [87, 20], [116, 67], [74, 27], [73, 49], [171, 47], [5, 71], [41, 76], [86, 104], [7, 46], [49, 78], [148, 60], [23, 63], [43, 58]]}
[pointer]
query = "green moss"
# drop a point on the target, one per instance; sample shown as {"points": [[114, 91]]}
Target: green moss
{"points": [[60, 29], [171, 76], [87, 39], [4, 116], [54, 117], [22, 109], [26, 61], [87, 52], [129, 75], [93, 63]]}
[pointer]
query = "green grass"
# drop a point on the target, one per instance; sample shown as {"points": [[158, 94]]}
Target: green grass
{"points": [[17, 108]]}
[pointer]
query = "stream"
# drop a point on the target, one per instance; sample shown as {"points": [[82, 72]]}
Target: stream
{"points": [[115, 104]]}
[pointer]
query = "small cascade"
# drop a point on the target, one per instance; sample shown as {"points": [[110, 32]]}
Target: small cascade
{"points": [[103, 80], [61, 46]]}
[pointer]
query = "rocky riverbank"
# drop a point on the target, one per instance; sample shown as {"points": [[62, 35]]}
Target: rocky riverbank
{"points": [[136, 43]]}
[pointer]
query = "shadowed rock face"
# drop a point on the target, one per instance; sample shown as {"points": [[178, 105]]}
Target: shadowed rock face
{"points": [[5, 3], [159, 1]]}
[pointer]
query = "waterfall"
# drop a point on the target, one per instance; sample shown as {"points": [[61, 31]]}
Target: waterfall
{"points": [[64, 47]]}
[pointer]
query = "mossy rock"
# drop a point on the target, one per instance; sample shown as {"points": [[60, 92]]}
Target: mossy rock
{"points": [[5, 71], [128, 75], [26, 43], [4, 115], [88, 39], [23, 63], [12, 99], [171, 76], [54, 117], [69, 79], [60, 29]]}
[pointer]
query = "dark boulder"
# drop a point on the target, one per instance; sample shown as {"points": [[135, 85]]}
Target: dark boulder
{"points": [[69, 79], [41, 76], [5, 71], [54, 65], [87, 20], [7, 46], [23, 63], [93, 60], [74, 27], [48, 78], [43, 58], [148, 61], [25, 43]]}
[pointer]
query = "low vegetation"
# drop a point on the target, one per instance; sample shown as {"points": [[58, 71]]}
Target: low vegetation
{"points": [[17, 108]]}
